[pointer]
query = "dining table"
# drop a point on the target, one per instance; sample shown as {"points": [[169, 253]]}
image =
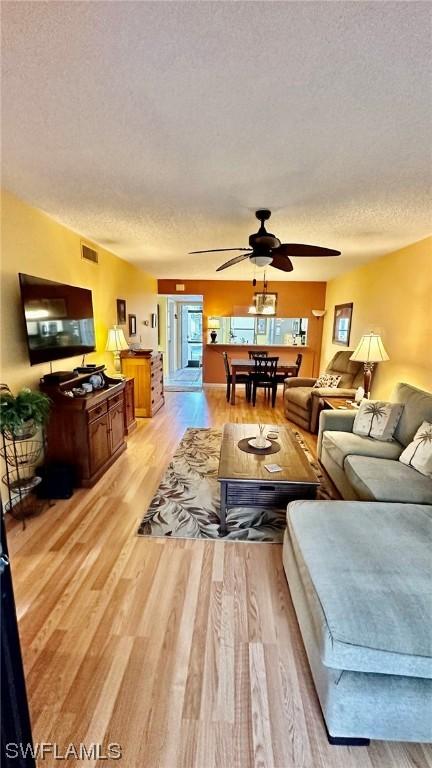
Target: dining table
{"points": [[243, 365]]}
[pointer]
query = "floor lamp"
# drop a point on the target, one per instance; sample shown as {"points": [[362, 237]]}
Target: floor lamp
{"points": [[369, 350]]}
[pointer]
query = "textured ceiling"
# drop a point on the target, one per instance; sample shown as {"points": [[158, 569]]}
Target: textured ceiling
{"points": [[158, 128]]}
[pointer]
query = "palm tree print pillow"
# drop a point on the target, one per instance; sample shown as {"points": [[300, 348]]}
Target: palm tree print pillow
{"points": [[377, 419], [418, 454]]}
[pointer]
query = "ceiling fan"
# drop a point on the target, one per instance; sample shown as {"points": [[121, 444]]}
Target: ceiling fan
{"points": [[266, 249]]}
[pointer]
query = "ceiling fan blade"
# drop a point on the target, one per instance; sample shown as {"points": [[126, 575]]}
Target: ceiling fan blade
{"points": [[300, 249], [234, 261], [281, 262], [219, 250]]}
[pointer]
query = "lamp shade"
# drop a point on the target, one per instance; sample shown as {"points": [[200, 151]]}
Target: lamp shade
{"points": [[370, 349], [116, 340], [213, 324]]}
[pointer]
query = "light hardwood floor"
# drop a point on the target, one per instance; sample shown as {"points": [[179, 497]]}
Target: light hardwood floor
{"points": [[187, 653]]}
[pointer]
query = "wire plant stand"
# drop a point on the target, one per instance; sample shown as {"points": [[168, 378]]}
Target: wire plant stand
{"points": [[21, 455]]}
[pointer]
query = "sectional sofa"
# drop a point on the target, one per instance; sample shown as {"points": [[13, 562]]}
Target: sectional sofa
{"points": [[359, 577], [359, 572], [367, 469]]}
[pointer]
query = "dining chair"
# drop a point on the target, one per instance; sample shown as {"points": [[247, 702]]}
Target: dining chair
{"points": [[290, 374], [241, 378], [252, 353], [264, 376]]}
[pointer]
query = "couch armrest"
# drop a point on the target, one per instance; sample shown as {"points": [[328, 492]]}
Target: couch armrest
{"points": [[334, 421], [299, 381]]}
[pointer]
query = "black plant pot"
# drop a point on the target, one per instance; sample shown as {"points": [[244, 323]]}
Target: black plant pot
{"points": [[213, 336]]}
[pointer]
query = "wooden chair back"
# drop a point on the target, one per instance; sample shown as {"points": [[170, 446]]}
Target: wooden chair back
{"points": [[252, 354], [226, 364], [265, 368]]}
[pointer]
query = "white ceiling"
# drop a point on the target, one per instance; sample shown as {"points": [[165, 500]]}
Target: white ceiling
{"points": [[156, 128]]}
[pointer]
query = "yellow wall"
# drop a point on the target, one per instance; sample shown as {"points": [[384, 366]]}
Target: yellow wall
{"points": [[391, 296], [34, 243]]}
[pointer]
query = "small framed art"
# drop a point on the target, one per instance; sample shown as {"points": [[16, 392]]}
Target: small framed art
{"points": [[121, 312], [132, 325]]}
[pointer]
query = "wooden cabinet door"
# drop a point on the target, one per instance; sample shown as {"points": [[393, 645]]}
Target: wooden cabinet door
{"points": [[99, 442], [116, 427]]}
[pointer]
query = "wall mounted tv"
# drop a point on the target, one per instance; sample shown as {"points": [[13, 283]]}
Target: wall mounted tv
{"points": [[58, 319]]}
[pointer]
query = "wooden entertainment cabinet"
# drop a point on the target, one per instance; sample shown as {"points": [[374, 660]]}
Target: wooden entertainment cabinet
{"points": [[88, 432]]}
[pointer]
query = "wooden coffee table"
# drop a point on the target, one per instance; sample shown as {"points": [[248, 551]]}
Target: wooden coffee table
{"points": [[244, 480]]}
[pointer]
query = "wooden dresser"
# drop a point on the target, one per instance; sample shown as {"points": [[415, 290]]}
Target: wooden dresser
{"points": [[86, 432], [146, 368]]}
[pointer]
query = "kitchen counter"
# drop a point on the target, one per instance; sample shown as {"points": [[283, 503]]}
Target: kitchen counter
{"points": [[218, 344]]}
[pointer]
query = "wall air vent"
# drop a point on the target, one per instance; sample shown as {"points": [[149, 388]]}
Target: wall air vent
{"points": [[89, 254]]}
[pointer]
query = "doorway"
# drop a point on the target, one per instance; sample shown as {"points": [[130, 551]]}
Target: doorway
{"points": [[183, 343]]}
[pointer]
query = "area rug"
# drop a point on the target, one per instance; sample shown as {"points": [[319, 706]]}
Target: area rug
{"points": [[187, 501]]}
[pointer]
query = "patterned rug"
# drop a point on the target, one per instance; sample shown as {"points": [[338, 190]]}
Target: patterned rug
{"points": [[186, 504]]}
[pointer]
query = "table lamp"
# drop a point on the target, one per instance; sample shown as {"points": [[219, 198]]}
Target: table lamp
{"points": [[369, 350], [213, 326], [115, 343]]}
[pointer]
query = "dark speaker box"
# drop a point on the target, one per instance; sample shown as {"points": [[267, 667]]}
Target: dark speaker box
{"points": [[58, 377], [58, 481]]}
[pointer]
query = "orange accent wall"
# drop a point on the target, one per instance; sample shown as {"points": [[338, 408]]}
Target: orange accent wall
{"points": [[226, 297]]}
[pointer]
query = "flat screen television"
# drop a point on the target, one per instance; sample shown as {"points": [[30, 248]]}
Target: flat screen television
{"points": [[58, 319]]}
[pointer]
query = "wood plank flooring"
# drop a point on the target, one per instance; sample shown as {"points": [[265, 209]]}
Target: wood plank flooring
{"points": [[186, 653]]}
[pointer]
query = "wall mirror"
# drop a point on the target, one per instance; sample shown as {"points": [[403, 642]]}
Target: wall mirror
{"points": [[342, 324]]}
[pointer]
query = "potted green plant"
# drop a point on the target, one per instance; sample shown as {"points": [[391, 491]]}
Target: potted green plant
{"points": [[21, 415]]}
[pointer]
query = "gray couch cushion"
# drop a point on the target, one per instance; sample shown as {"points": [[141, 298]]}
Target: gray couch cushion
{"points": [[417, 408], [369, 593], [300, 396], [387, 480], [342, 444]]}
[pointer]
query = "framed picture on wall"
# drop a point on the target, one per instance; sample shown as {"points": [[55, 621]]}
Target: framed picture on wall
{"points": [[265, 303], [132, 325], [121, 312], [342, 324]]}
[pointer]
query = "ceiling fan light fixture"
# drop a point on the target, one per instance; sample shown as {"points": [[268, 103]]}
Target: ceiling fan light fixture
{"points": [[261, 261], [265, 249]]}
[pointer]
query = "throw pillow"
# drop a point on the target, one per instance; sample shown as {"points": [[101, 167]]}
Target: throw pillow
{"points": [[377, 419], [418, 454], [328, 381]]}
